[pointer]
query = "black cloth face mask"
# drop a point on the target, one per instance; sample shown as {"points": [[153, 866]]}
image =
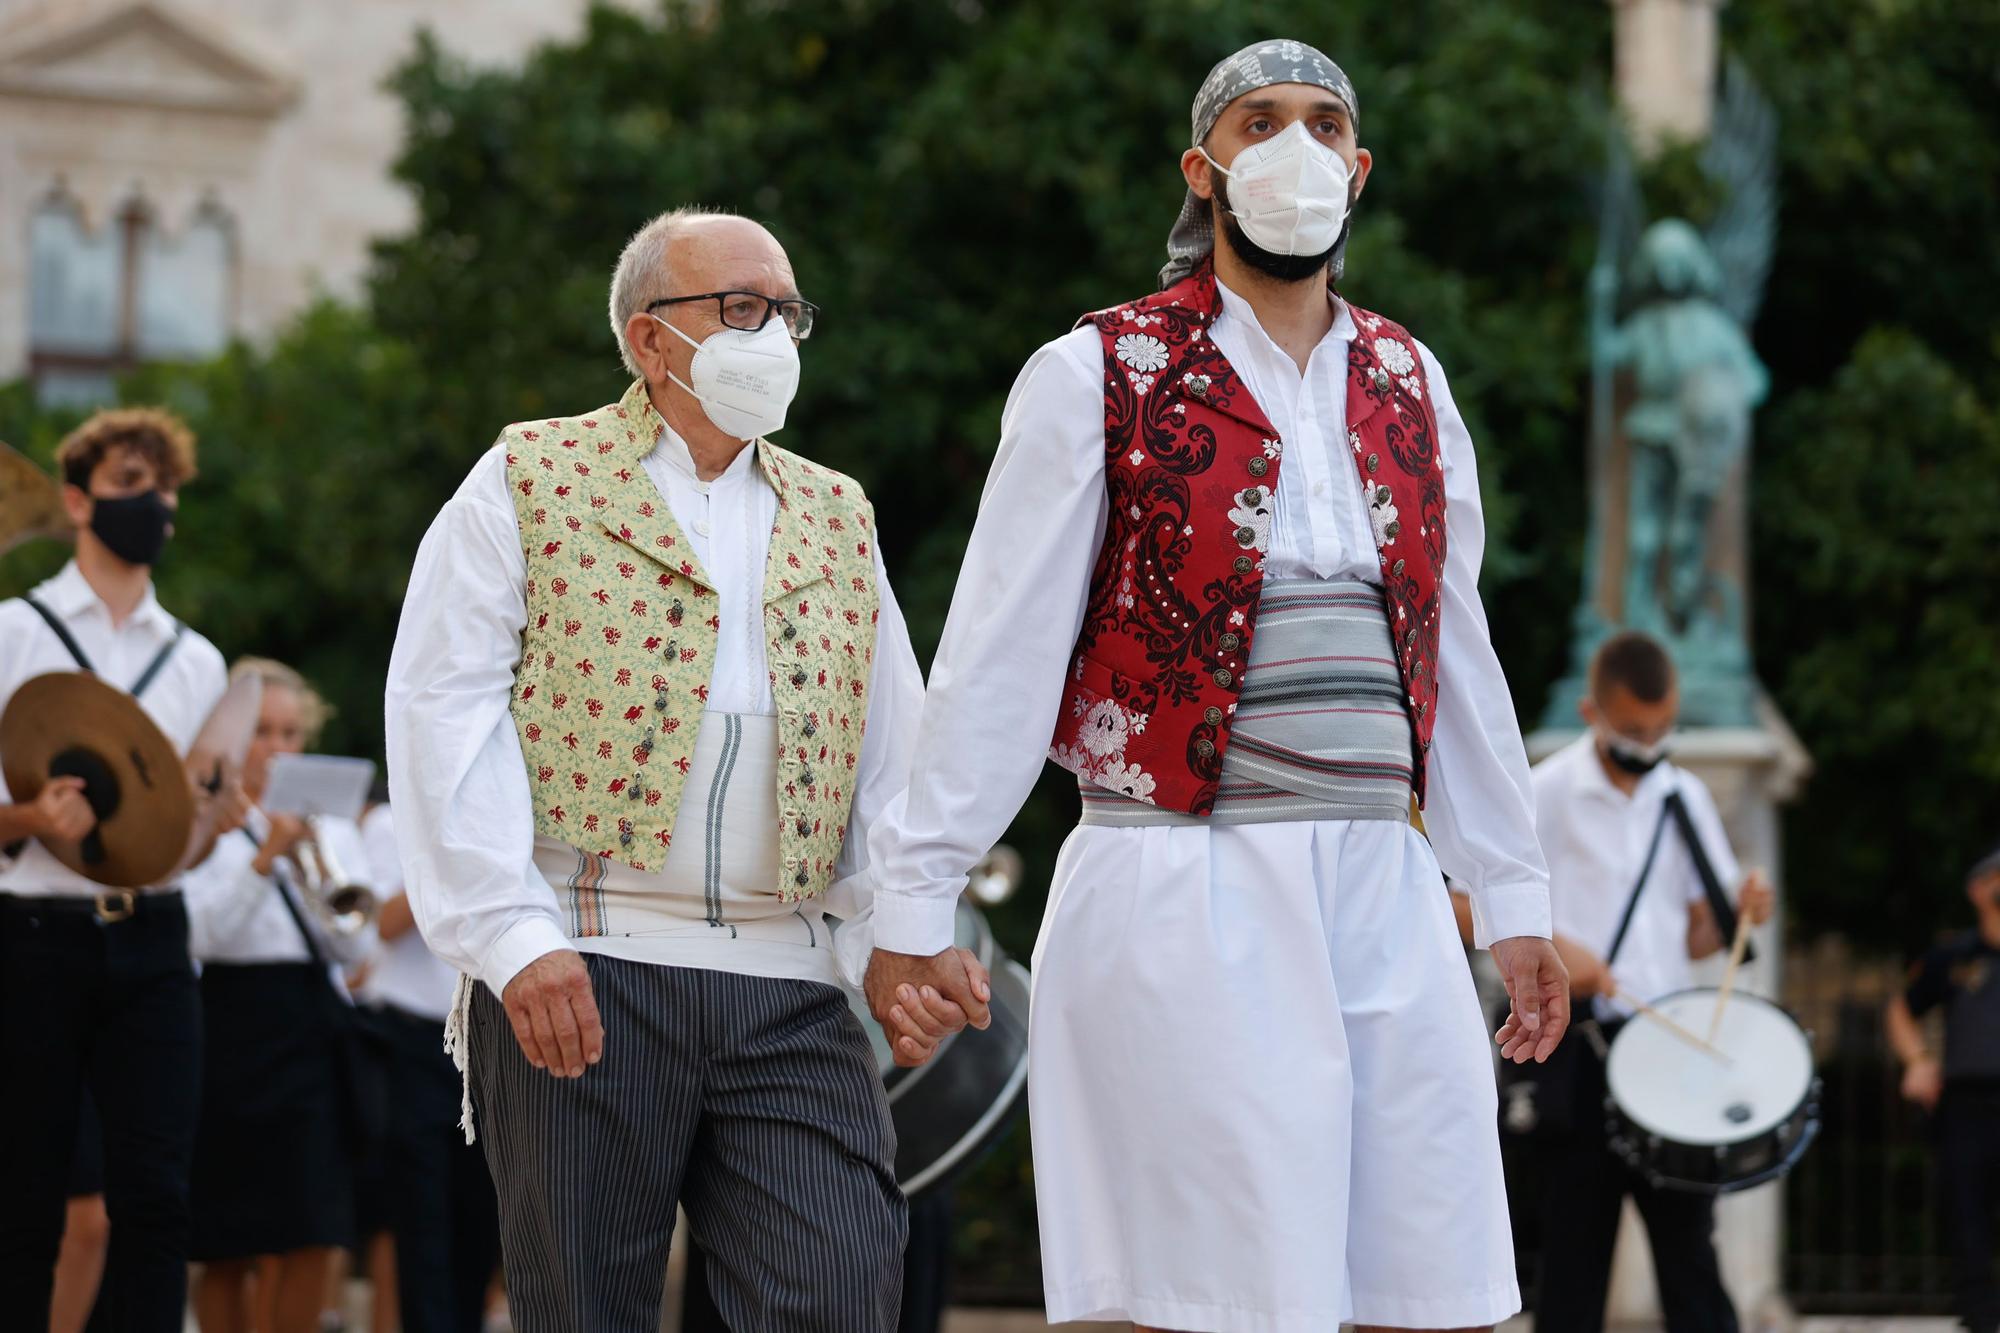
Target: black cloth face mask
{"points": [[132, 527]]}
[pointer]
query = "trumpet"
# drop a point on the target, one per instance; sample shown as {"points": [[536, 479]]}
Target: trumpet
{"points": [[339, 899]]}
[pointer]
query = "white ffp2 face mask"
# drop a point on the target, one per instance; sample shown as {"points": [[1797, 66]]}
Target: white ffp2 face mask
{"points": [[1288, 193], [743, 380]]}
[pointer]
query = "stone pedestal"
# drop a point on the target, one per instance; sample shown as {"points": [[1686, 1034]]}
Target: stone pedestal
{"points": [[1751, 771]]}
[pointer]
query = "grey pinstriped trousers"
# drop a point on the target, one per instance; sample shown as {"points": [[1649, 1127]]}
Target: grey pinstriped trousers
{"points": [[752, 1101]]}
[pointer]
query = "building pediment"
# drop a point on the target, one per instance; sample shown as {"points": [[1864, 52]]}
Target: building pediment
{"points": [[141, 52]]}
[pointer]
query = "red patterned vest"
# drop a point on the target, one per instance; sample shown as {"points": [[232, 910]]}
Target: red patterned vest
{"points": [[1190, 462]]}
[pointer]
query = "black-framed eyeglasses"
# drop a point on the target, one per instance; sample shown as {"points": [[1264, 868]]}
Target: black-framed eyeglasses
{"points": [[751, 311]]}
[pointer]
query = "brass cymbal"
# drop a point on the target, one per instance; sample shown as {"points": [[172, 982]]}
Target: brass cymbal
{"points": [[30, 502], [69, 723]]}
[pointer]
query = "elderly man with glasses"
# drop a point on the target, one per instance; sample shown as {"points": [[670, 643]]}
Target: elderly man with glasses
{"points": [[649, 692]]}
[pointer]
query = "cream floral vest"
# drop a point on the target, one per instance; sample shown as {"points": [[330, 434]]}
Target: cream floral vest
{"points": [[621, 634]]}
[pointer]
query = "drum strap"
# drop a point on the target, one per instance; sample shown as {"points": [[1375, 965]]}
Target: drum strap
{"points": [[83, 663], [1711, 887], [1638, 887]]}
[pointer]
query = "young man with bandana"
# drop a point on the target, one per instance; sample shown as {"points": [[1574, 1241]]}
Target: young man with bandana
{"points": [[1225, 570], [1619, 824], [97, 993], [1962, 976]]}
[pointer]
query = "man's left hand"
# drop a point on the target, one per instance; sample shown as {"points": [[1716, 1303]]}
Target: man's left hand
{"points": [[1538, 987]]}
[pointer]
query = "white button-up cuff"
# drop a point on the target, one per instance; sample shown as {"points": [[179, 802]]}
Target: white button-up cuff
{"points": [[1504, 913], [853, 945], [519, 945], [909, 923]]}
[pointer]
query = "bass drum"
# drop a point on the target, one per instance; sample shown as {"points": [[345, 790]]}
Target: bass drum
{"points": [[1688, 1119], [958, 1103]]}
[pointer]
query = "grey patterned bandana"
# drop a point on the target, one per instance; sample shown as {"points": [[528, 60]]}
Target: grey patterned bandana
{"points": [[1258, 65]]}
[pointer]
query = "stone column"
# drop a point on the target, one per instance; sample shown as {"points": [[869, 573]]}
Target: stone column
{"points": [[1664, 66]]}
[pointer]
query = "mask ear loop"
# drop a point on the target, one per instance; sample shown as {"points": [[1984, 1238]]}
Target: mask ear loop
{"points": [[691, 343]]}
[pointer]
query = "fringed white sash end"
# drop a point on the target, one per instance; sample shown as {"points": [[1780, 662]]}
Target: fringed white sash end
{"points": [[458, 1045]]}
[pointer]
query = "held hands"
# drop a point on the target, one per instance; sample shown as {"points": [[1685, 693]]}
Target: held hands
{"points": [[61, 814], [554, 1014], [1923, 1082], [1538, 987], [920, 1001]]}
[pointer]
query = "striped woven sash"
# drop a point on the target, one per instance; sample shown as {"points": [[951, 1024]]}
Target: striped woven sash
{"points": [[1322, 725]]}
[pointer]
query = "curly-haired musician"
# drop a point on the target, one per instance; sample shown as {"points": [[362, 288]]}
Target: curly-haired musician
{"points": [[96, 989]]}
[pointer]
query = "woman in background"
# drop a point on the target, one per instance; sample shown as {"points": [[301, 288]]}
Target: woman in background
{"points": [[438, 1203], [273, 1162]]}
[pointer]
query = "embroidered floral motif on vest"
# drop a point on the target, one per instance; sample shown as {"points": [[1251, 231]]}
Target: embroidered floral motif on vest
{"points": [[621, 634], [1191, 464]]}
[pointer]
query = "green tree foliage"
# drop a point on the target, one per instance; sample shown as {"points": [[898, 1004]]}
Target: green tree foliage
{"points": [[1876, 539], [295, 538], [1888, 554]]}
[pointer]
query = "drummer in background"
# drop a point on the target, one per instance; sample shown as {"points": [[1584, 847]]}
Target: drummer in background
{"points": [[1962, 975], [437, 1197], [1598, 802], [95, 986], [273, 1166]]}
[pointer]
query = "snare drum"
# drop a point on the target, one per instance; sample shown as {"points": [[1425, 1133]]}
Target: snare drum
{"points": [[1686, 1120]]}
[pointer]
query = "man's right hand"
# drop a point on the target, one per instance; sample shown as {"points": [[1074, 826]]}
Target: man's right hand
{"points": [[60, 812], [554, 1014]]}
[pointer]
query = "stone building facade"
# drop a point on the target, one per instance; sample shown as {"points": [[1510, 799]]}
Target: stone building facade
{"points": [[174, 173]]}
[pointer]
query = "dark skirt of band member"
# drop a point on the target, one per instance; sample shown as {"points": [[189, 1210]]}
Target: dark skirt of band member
{"points": [[273, 1162]]}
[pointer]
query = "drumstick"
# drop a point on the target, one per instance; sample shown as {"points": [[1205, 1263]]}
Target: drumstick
{"points": [[1736, 950], [1650, 1012]]}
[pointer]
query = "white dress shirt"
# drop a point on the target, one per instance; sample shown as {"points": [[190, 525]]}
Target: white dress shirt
{"points": [[178, 699], [1596, 836], [406, 974], [998, 679], [236, 915], [465, 825]]}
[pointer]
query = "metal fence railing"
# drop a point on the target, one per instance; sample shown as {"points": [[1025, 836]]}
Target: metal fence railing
{"points": [[1863, 1233]]}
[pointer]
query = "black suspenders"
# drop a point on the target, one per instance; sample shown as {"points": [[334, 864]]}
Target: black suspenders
{"points": [[83, 662]]}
